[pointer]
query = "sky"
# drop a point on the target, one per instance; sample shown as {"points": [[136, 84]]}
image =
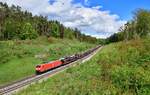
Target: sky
{"points": [[98, 18]]}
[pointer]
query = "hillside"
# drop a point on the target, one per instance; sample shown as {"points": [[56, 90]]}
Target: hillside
{"points": [[19, 58], [118, 69]]}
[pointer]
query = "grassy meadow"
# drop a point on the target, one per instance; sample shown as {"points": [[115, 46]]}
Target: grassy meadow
{"points": [[118, 69], [19, 58]]}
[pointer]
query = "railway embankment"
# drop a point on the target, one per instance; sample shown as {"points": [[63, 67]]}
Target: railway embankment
{"points": [[19, 58], [119, 68], [19, 85]]}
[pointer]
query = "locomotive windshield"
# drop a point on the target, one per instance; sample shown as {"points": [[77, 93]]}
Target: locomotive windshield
{"points": [[38, 66]]}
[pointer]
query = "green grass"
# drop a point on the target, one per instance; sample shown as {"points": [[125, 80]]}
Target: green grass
{"points": [[19, 58], [118, 69]]}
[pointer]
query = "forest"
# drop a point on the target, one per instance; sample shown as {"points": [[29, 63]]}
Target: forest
{"points": [[138, 27], [16, 24]]}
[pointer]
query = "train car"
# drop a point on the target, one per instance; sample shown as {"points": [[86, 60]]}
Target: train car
{"points": [[70, 59], [48, 66]]}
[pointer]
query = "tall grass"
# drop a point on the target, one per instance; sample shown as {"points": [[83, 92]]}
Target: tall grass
{"points": [[118, 69], [19, 58]]}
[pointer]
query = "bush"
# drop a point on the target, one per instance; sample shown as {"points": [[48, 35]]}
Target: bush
{"points": [[28, 32]]}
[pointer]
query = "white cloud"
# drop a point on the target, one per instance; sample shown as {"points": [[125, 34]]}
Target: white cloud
{"points": [[97, 7], [91, 21]]}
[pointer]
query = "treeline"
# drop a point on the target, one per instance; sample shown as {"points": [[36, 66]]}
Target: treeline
{"points": [[138, 27], [18, 24]]}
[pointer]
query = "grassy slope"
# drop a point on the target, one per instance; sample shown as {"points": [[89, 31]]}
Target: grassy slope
{"points": [[18, 58], [120, 68]]}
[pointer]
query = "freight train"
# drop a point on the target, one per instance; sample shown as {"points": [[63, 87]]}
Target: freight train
{"points": [[41, 68]]}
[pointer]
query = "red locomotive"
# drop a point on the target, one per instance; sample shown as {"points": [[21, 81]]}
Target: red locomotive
{"points": [[48, 66]]}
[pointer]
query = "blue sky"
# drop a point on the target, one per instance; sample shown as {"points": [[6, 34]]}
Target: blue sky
{"points": [[123, 8], [98, 18]]}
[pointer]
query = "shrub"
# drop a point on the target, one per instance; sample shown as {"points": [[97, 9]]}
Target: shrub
{"points": [[28, 32]]}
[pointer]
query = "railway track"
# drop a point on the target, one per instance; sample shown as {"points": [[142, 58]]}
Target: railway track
{"points": [[18, 85]]}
